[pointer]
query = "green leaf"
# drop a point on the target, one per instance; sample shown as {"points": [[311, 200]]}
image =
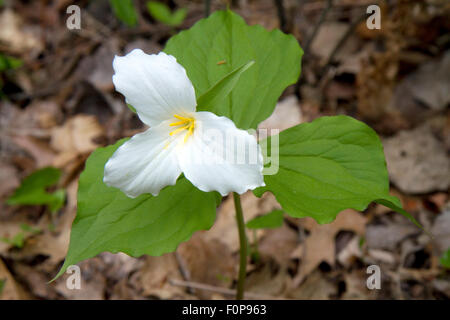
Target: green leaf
{"points": [[59, 197], [178, 17], [32, 191], [107, 220], [394, 203], [30, 229], [445, 259], [273, 219], [161, 12], [326, 166], [218, 92], [8, 62], [2, 285], [17, 241], [125, 11], [216, 46], [131, 108]]}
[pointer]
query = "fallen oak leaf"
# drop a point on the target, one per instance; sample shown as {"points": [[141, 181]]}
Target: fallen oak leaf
{"points": [[11, 290], [77, 135], [74, 138], [319, 246]]}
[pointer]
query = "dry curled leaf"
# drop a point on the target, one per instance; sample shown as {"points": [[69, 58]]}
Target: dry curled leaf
{"points": [[417, 162], [13, 33], [207, 261], [11, 289], [319, 246], [153, 279], [224, 229], [77, 136]]}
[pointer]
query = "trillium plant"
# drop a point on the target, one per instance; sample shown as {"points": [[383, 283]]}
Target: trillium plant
{"points": [[202, 99], [199, 144]]}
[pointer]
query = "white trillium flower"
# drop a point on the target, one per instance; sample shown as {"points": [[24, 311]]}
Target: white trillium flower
{"points": [[209, 150]]}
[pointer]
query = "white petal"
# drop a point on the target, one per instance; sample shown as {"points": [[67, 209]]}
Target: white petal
{"points": [[144, 164], [220, 157], [155, 85]]}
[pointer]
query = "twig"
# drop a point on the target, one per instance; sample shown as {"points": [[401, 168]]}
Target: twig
{"points": [[342, 41], [317, 26], [221, 290], [281, 14], [103, 30], [207, 8], [309, 42], [312, 6], [183, 269], [325, 79]]}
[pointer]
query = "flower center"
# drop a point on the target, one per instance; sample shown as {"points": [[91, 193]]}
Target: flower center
{"points": [[185, 123]]}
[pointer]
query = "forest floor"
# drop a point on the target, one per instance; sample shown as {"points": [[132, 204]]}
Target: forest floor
{"points": [[60, 105]]}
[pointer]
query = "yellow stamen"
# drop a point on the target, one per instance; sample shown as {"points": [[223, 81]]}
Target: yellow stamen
{"points": [[186, 123], [179, 129], [177, 123], [189, 133], [182, 118]]}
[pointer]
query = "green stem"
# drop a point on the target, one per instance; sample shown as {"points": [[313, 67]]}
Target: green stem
{"points": [[243, 247]]}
